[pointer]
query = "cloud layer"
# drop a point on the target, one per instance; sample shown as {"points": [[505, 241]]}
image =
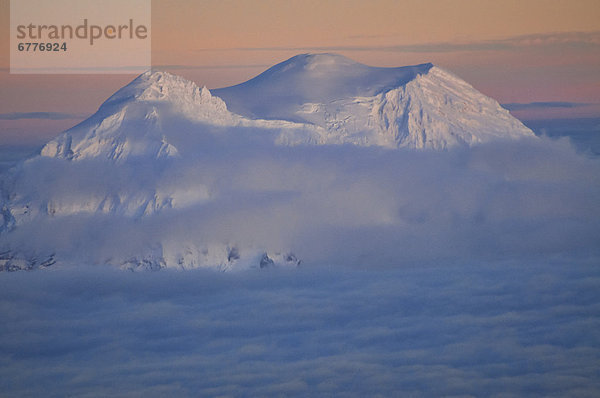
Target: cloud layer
{"points": [[471, 329], [581, 41], [542, 105], [334, 205], [466, 272]]}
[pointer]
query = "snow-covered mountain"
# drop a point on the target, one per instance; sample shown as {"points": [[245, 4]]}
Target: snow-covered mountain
{"points": [[143, 157], [419, 106], [308, 99], [142, 118]]}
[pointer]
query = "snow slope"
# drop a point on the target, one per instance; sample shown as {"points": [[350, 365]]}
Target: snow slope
{"points": [[131, 122], [144, 118], [418, 106], [308, 99]]}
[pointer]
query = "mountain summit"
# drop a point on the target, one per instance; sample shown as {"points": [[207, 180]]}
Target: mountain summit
{"points": [[419, 106], [310, 78], [135, 121], [322, 99]]}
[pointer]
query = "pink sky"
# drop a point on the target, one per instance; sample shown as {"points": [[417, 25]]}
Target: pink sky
{"points": [[514, 51]]}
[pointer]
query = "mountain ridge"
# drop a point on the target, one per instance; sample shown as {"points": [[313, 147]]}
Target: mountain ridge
{"points": [[365, 105], [323, 99], [150, 155]]}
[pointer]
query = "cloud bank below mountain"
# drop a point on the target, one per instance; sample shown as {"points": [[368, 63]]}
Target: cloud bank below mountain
{"points": [[479, 329], [328, 205]]}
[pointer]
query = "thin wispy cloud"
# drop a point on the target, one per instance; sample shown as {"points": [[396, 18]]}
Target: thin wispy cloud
{"points": [[575, 40], [517, 106], [209, 67], [40, 115], [130, 69]]}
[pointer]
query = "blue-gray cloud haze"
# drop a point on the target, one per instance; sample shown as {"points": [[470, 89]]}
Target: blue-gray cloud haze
{"points": [[528, 328], [584, 133], [516, 106], [470, 272]]}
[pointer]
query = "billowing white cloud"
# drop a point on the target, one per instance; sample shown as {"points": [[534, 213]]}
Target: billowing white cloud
{"points": [[335, 205]]}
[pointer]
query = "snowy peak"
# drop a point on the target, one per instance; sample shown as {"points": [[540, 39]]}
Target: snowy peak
{"points": [[336, 71], [158, 86], [335, 66], [310, 78], [438, 110], [308, 99], [420, 106], [155, 86], [321, 61], [132, 121]]}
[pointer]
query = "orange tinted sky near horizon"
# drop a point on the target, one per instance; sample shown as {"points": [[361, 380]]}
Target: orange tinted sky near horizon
{"points": [[514, 51]]}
